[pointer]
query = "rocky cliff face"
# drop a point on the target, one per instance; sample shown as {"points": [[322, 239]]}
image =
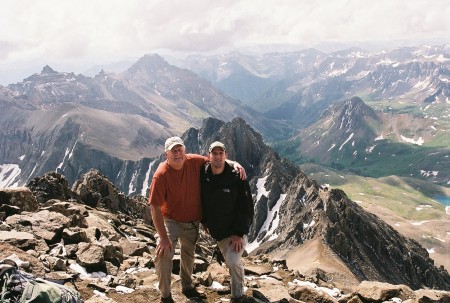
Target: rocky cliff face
{"points": [[370, 248]]}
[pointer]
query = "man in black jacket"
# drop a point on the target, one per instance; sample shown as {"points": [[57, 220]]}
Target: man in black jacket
{"points": [[227, 206]]}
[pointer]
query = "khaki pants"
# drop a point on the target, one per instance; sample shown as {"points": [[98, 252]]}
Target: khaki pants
{"points": [[187, 234], [236, 268]]}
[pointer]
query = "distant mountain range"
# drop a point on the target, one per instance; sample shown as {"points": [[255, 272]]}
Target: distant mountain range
{"points": [[405, 118], [297, 86], [71, 123], [301, 102]]}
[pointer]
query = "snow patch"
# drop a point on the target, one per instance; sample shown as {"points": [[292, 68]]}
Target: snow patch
{"points": [[9, 174], [147, 178], [439, 239], [419, 141], [419, 223], [124, 289], [261, 190], [335, 292], [270, 224], [131, 188], [429, 173], [420, 207], [369, 150], [348, 139], [68, 154], [217, 286], [311, 224]]}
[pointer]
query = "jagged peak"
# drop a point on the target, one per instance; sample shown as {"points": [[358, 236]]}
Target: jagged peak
{"points": [[48, 70], [151, 61], [350, 107], [355, 101]]}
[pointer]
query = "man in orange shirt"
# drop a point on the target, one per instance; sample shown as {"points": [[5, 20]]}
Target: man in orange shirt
{"points": [[175, 205]]}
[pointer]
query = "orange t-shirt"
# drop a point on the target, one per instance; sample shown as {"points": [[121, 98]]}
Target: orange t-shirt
{"points": [[178, 191]]}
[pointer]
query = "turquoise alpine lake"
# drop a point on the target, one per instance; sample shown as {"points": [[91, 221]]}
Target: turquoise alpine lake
{"points": [[443, 200]]}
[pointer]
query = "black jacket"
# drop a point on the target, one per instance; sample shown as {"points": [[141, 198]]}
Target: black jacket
{"points": [[227, 203]]}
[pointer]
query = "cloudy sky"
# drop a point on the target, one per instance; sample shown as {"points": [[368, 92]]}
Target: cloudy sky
{"points": [[74, 35]]}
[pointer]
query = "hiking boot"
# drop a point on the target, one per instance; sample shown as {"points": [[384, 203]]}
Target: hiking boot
{"points": [[167, 300], [238, 300], [193, 293], [224, 291], [243, 299]]}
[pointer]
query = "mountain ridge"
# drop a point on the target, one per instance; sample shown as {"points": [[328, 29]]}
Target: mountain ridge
{"points": [[112, 114], [309, 77]]}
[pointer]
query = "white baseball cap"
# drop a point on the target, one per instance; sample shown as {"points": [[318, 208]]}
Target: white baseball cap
{"points": [[171, 142]]}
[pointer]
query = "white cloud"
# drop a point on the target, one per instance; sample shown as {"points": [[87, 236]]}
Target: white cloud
{"points": [[88, 31]]}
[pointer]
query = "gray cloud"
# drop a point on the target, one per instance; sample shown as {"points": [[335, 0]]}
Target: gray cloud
{"points": [[86, 30]]}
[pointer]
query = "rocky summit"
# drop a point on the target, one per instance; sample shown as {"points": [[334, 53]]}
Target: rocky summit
{"points": [[107, 239]]}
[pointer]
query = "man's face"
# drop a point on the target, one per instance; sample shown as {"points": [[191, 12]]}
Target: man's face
{"points": [[176, 156], [217, 157]]}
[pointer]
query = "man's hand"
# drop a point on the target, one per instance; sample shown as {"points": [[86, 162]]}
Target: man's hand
{"points": [[241, 170], [164, 247], [237, 243], [206, 229]]}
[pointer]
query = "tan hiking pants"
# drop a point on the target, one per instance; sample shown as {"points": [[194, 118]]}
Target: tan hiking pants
{"points": [[235, 266], [187, 235]]}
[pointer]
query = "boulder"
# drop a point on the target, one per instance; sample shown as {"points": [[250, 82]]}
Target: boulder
{"points": [[22, 240], [21, 197], [378, 291], [309, 294], [91, 256], [44, 224], [133, 248], [51, 186]]}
